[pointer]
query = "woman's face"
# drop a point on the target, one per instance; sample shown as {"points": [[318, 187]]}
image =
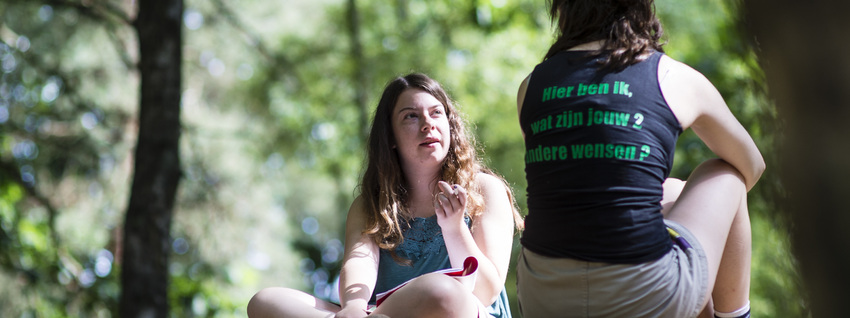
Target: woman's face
{"points": [[421, 129]]}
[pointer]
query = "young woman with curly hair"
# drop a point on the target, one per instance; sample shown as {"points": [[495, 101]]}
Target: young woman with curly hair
{"points": [[426, 203]]}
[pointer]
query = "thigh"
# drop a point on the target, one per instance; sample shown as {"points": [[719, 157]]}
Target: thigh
{"points": [[431, 295], [707, 207], [672, 189]]}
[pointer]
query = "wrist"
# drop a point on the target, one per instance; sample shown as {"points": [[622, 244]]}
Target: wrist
{"points": [[455, 233]]}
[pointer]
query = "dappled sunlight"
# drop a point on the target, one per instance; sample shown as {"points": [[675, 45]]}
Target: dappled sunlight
{"points": [[275, 105]]}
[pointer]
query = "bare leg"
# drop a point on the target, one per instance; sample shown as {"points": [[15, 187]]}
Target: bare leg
{"points": [[713, 206], [732, 288], [707, 311], [431, 295], [672, 189], [286, 302]]}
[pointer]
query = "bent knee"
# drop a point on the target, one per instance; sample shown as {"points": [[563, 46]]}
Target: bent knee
{"points": [[257, 303], [265, 298], [440, 290], [719, 169]]}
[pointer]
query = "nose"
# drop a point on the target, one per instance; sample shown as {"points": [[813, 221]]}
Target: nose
{"points": [[428, 124]]}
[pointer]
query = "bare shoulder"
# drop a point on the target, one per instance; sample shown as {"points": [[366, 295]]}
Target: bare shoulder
{"points": [[489, 183], [681, 74], [357, 211], [520, 96], [495, 194], [497, 221], [356, 239], [356, 223], [359, 203], [687, 91]]}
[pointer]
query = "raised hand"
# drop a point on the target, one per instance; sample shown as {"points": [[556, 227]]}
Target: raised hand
{"points": [[450, 206]]}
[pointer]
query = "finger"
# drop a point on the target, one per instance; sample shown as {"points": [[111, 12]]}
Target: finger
{"points": [[451, 193], [446, 188], [461, 195], [445, 203], [438, 207]]}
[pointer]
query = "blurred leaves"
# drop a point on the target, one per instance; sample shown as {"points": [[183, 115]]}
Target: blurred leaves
{"points": [[276, 101]]}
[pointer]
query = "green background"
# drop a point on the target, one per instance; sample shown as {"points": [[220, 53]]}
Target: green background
{"points": [[276, 101]]}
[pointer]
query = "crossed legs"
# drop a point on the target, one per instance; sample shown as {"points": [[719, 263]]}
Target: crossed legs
{"points": [[431, 295], [713, 206]]}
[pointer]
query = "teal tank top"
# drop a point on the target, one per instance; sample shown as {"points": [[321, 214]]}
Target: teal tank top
{"points": [[424, 246]]}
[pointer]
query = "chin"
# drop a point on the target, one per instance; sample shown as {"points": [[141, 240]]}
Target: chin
{"points": [[439, 159], [433, 160]]}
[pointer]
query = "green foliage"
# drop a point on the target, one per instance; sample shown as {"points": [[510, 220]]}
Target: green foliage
{"points": [[277, 99], [54, 138]]}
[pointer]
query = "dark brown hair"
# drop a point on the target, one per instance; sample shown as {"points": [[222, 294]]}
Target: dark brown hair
{"points": [[629, 28], [384, 188]]}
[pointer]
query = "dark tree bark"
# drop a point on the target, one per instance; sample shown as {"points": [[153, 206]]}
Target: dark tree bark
{"points": [[803, 47], [359, 73], [144, 273]]}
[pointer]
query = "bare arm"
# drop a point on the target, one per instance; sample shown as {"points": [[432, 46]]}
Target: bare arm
{"points": [[698, 105], [520, 97], [490, 242], [360, 263]]}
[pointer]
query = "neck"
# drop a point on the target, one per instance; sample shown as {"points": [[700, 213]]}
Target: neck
{"points": [[589, 46], [421, 181], [422, 184]]}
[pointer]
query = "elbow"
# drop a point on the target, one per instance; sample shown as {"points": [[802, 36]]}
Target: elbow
{"points": [[760, 169], [490, 297], [755, 175], [487, 291]]}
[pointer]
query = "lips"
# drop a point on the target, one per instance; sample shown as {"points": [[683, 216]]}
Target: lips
{"points": [[429, 141]]}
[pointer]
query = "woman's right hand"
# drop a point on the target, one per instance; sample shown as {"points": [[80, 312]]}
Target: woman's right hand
{"points": [[450, 206], [351, 312]]}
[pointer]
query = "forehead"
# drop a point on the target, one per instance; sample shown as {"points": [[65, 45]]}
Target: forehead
{"points": [[416, 98]]}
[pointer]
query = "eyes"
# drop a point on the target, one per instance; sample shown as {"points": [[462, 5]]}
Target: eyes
{"points": [[436, 112]]}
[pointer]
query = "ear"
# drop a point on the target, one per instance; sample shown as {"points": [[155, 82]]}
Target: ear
{"points": [[393, 147]]}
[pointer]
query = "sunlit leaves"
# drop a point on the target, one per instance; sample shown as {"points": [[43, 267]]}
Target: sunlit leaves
{"points": [[33, 236], [274, 134]]}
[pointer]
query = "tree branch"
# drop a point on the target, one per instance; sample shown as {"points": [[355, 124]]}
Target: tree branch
{"points": [[254, 40], [100, 9], [121, 49], [71, 91]]}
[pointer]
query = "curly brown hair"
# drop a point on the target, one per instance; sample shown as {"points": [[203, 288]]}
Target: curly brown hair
{"points": [[629, 28], [384, 189]]}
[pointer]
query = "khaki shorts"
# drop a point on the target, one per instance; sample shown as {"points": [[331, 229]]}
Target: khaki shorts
{"points": [[673, 286]]}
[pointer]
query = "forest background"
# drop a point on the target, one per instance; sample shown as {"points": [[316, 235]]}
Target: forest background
{"points": [[275, 101]]}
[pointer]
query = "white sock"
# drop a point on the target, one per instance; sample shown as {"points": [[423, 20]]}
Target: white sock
{"points": [[742, 312]]}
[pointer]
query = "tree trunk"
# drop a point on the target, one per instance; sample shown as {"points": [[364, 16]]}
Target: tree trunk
{"points": [[803, 48], [144, 273], [359, 73]]}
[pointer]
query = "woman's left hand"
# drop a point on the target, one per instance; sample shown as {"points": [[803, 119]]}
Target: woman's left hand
{"points": [[450, 206]]}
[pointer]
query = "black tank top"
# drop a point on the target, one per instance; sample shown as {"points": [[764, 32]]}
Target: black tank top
{"points": [[599, 144]]}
